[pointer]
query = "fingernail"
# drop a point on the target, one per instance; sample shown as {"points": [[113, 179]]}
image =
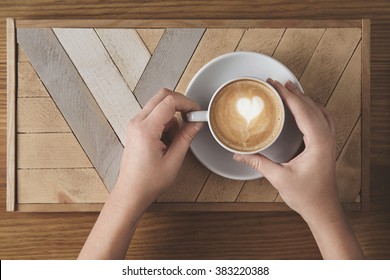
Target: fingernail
{"points": [[290, 83], [237, 157]]}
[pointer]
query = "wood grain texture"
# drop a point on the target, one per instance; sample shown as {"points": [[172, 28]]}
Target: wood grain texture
{"points": [[11, 114], [35, 115], [220, 189], [260, 190], [101, 76], [50, 150], [262, 40], [333, 53], [210, 235], [168, 62], [21, 55], [345, 102], [127, 51], [348, 167], [81, 111], [296, 48], [151, 37], [29, 84], [60, 186], [215, 42]]}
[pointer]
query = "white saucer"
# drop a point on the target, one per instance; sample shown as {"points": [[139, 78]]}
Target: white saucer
{"points": [[206, 82]]}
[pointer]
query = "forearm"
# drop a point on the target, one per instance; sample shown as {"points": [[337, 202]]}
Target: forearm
{"points": [[114, 228], [334, 236]]}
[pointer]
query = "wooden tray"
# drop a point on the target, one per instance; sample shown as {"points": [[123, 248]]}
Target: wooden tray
{"points": [[74, 84]]}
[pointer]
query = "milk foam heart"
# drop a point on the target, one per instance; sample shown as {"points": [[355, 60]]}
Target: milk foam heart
{"points": [[250, 108]]}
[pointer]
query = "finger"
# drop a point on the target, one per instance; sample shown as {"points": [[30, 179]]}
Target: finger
{"points": [[152, 103], [181, 142], [167, 108], [262, 164], [299, 108], [293, 88], [171, 124]]}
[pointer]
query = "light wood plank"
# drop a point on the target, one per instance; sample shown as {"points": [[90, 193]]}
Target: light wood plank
{"points": [[296, 48], [168, 62], [101, 76], [127, 51], [150, 37], [328, 62], [60, 186], [74, 100], [11, 113], [29, 84], [187, 23], [39, 115], [220, 189], [189, 181], [348, 167], [259, 190], [214, 43], [262, 40], [345, 102], [50, 150], [21, 55]]}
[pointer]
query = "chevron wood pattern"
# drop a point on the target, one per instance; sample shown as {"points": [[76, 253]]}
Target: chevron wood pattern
{"points": [[117, 70]]}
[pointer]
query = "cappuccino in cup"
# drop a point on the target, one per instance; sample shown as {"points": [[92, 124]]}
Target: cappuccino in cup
{"points": [[245, 115]]}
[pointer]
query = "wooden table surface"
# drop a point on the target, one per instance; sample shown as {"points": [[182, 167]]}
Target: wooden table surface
{"points": [[219, 235]]}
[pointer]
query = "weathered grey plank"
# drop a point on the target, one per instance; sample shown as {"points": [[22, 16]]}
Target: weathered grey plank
{"points": [[127, 51], [73, 98], [101, 76], [168, 61]]}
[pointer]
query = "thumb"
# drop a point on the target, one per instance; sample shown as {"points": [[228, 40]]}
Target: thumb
{"points": [[264, 165], [182, 140]]}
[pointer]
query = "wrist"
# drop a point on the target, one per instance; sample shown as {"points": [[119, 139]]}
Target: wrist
{"points": [[126, 198]]}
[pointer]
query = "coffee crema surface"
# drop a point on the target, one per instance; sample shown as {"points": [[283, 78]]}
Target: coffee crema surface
{"points": [[246, 116]]}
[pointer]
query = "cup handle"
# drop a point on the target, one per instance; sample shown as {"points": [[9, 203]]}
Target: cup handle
{"points": [[197, 116]]}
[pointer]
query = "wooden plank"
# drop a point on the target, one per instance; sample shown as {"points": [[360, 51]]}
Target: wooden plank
{"points": [[259, 190], [188, 183], [214, 43], [11, 113], [150, 37], [345, 101], [74, 100], [220, 189], [127, 51], [60, 186], [328, 62], [366, 118], [39, 115], [348, 167], [101, 76], [50, 150], [21, 55], [29, 84], [168, 62], [186, 23], [296, 48], [57, 207], [174, 206], [262, 40]]}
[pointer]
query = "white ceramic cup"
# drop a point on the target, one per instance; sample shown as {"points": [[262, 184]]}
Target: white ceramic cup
{"points": [[204, 116]]}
